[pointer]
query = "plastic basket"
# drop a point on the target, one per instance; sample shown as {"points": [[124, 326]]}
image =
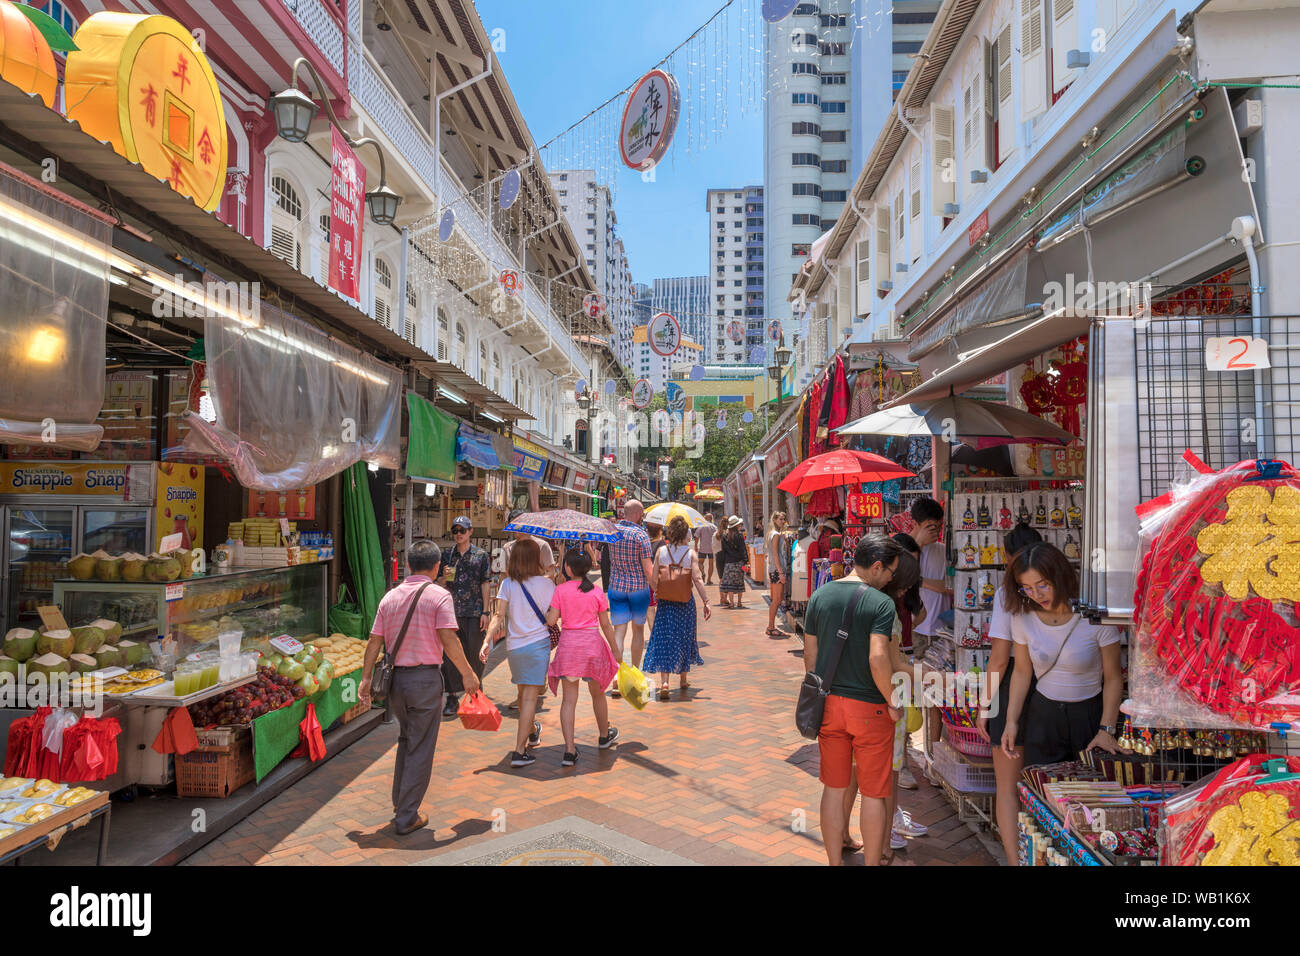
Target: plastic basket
{"points": [[962, 775], [967, 740], [216, 770], [355, 711]]}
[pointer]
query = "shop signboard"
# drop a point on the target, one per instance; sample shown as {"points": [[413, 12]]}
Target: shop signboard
{"points": [[978, 228], [347, 201], [578, 480], [530, 460], [864, 506], [752, 474], [782, 455], [179, 505], [125, 481]]}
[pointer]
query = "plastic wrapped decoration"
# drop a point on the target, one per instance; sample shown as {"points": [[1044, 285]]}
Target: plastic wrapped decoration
{"points": [[1217, 603], [1247, 814]]}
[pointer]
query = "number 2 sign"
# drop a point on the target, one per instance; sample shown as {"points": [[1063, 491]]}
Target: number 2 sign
{"points": [[1236, 354]]}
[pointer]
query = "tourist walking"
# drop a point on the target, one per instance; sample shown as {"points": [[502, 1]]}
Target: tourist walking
{"points": [[496, 653], [731, 560], [629, 580], [415, 624], [467, 574], [519, 624], [705, 542], [673, 647], [586, 652], [778, 559]]}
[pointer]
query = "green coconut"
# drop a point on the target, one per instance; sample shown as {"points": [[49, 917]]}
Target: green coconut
{"points": [[132, 653], [108, 656], [58, 642], [49, 664], [112, 630], [108, 569], [133, 567], [20, 643], [83, 663], [185, 559], [87, 639], [9, 666], [162, 568], [82, 567]]}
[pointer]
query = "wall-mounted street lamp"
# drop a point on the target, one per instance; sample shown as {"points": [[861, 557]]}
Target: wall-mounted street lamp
{"points": [[294, 111]]}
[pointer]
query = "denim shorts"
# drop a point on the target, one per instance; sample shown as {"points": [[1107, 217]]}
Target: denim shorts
{"points": [[625, 606], [528, 664]]}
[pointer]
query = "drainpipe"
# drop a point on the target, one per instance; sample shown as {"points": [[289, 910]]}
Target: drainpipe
{"points": [[1243, 229], [902, 120]]}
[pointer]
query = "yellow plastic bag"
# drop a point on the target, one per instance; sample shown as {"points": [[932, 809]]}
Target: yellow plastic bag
{"points": [[914, 719], [633, 686]]}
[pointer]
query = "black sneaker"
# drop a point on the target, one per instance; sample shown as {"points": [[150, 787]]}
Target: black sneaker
{"points": [[609, 739], [522, 759], [535, 737], [569, 759], [449, 709]]}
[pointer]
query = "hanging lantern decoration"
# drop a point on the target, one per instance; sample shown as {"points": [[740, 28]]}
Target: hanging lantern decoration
{"points": [[649, 120], [27, 50]]}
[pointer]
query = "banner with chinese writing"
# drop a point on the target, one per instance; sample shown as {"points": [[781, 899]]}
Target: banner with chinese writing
{"points": [[348, 195]]}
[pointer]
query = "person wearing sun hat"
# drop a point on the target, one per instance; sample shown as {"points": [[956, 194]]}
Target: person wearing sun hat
{"points": [[731, 559]]}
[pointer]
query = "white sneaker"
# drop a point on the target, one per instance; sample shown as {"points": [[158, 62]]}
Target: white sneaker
{"points": [[896, 842], [904, 824], [906, 780]]}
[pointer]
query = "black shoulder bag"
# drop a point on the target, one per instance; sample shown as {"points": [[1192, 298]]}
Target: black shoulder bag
{"points": [[811, 707], [382, 677]]}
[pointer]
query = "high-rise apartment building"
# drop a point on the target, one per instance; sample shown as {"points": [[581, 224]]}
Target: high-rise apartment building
{"points": [[833, 67], [736, 279], [589, 208], [686, 298]]}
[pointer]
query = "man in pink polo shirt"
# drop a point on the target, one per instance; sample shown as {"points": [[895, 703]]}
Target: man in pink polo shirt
{"points": [[416, 694]]}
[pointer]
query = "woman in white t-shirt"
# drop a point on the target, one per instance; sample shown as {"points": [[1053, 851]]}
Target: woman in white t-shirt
{"points": [[520, 620], [1075, 705]]}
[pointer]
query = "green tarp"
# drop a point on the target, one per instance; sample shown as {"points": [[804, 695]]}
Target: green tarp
{"points": [[361, 543], [431, 442], [276, 734]]}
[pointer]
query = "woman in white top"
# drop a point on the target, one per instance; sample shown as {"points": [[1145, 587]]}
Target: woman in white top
{"points": [[520, 620], [1077, 666], [673, 648], [775, 571]]}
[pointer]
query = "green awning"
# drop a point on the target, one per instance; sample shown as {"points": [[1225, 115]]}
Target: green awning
{"points": [[431, 442]]}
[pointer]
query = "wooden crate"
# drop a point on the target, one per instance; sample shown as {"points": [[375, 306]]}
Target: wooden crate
{"points": [[217, 767]]}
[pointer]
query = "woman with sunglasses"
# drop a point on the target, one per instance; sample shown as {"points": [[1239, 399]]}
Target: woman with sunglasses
{"points": [[1075, 704]]}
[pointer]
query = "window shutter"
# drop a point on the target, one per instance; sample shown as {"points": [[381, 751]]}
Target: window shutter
{"points": [[1065, 37], [284, 239], [323, 241], [383, 294], [410, 329], [443, 332], [863, 263], [1033, 60], [1007, 118], [943, 162], [843, 303], [914, 213], [972, 132], [884, 270]]}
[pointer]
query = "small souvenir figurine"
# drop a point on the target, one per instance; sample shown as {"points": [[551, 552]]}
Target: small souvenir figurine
{"points": [[969, 556], [1074, 515], [1040, 513], [989, 553], [971, 599], [1058, 516], [1025, 517], [985, 519], [970, 637], [968, 518], [987, 590]]}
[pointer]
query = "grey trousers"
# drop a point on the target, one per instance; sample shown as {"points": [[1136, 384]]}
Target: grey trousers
{"points": [[416, 699]]}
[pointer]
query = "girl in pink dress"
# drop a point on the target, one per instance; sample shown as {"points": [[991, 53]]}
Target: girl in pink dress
{"points": [[587, 651]]}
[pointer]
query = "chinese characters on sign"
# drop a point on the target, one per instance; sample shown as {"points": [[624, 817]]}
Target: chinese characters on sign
{"points": [[348, 188], [649, 118], [665, 334], [642, 393]]}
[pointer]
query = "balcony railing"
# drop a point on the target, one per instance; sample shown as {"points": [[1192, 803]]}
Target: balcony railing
{"points": [[323, 26]]}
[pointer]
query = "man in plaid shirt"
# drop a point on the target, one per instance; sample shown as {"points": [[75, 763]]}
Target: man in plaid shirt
{"points": [[629, 579]]}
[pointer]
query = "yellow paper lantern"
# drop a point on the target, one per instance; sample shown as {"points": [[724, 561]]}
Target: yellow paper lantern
{"points": [[142, 84], [26, 59]]}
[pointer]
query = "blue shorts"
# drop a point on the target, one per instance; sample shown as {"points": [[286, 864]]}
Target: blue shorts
{"points": [[625, 606], [528, 664]]}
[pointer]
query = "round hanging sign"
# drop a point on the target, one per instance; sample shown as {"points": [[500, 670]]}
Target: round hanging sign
{"points": [[757, 355], [663, 422], [776, 10], [747, 417], [736, 331], [509, 282], [593, 304], [642, 392], [665, 334], [697, 373], [509, 189], [722, 418], [610, 386], [774, 330], [446, 224], [697, 432], [676, 397], [649, 119]]}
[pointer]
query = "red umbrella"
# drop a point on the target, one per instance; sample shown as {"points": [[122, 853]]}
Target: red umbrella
{"points": [[841, 467]]}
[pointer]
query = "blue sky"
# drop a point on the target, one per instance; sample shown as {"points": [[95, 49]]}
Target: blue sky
{"points": [[565, 57]]}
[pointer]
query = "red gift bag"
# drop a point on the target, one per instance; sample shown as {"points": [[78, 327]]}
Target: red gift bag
{"points": [[478, 713]]}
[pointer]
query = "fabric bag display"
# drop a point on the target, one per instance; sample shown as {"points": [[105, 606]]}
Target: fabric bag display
{"points": [[345, 617]]}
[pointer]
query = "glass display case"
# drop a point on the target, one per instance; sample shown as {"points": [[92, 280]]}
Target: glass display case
{"points": [[260, 602]]}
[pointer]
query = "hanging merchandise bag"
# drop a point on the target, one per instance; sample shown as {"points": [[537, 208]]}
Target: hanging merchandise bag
{"points": [[345, 617]]}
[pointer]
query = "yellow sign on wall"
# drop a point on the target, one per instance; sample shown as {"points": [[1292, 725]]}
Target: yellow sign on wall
{"points": [[179, 508], [142, 84], [70, 478]]}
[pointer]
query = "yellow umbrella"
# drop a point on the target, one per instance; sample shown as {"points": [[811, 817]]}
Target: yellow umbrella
{"points": [[666, 511], [708, 494]]}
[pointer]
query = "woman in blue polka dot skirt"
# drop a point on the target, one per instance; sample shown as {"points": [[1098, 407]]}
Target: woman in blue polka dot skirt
{"points": [[673, 648]]}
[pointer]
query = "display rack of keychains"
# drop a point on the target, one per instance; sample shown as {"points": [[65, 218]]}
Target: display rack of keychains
{"points": [[983, 511]]}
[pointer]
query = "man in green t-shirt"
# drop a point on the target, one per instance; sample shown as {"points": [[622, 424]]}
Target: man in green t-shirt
{"points": [[858, 723]]}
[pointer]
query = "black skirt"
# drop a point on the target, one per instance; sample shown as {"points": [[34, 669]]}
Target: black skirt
{"points": [[1057, 730], [998, 721]]}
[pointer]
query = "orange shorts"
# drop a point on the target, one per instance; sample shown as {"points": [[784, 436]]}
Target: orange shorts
{"points": [[855, 729]]}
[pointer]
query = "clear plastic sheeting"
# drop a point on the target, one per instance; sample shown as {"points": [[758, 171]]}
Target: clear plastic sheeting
{"points": [[293, 406], [1218, 601], [54, 268]]}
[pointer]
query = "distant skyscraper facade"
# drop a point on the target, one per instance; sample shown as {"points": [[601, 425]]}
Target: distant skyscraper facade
{"points": [[833, 68], [736, 280], [687, 299], [589, 208]]}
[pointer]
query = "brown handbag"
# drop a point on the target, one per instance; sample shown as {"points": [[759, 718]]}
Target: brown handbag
{"points": [[674, 581]]}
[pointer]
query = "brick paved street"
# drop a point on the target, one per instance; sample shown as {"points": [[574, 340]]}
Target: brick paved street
{"points": [[716, 778]]}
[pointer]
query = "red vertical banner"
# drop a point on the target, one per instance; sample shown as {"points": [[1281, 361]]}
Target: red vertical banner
{"points": [[348, 194]]}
